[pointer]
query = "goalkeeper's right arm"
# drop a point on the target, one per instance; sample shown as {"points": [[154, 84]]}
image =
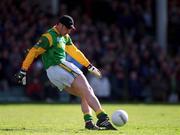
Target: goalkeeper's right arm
{"points": [[33, 53]]}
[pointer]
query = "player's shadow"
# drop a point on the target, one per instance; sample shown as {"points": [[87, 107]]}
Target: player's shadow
{"points": [[82, 130], [17, 129], [63, 130]]}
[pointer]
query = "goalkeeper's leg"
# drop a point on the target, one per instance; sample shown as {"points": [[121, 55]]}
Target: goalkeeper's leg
{"points": [[89, 124], [87, 111], [80, 86]]}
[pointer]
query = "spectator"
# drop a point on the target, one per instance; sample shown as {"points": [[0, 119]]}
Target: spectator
{"points": [[160, 88], [117, 79], [35, 90], [101, 86], [135, 87]]}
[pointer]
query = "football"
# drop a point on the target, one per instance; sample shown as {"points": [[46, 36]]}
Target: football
{"points": [[119, 117]]}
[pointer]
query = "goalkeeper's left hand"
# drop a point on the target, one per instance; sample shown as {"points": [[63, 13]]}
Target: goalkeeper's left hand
{"points": [[94, 71], [21, 77]]}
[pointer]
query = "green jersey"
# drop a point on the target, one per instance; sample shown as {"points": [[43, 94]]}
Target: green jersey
{"points": [[54, 44]]}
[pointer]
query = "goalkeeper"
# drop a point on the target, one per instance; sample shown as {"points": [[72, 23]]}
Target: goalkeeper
{"points": [[53, 46]]}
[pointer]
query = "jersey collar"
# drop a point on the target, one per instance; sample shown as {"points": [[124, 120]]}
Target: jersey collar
{"points": [[55, 29]]}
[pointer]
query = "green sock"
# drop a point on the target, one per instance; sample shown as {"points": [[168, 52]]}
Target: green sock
{"points": [[102, 115], [87, 117]]}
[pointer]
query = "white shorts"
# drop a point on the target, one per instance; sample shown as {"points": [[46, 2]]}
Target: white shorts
{"points": [[63, 75]]}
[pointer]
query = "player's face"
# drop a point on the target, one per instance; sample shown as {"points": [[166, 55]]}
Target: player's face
{"points": [[65, 30]]}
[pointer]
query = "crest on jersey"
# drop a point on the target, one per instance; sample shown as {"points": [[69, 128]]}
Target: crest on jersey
{"points": [[39, 42], [61, 43]]}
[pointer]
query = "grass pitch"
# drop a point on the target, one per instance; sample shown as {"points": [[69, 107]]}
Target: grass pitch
{"points": [[64, 119]]}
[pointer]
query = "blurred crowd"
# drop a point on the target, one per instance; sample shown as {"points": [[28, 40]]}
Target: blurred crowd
{"points": [[119, 39]]}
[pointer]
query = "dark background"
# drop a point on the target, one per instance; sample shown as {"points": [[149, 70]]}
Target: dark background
{"points": [[119, 37]]}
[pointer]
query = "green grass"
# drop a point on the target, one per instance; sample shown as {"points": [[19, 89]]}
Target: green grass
{"points": [[63, 119]]}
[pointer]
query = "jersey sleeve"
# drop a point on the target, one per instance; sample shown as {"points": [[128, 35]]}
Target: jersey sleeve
{"points": [[44, 42], [32, 54], [75, 53]]}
